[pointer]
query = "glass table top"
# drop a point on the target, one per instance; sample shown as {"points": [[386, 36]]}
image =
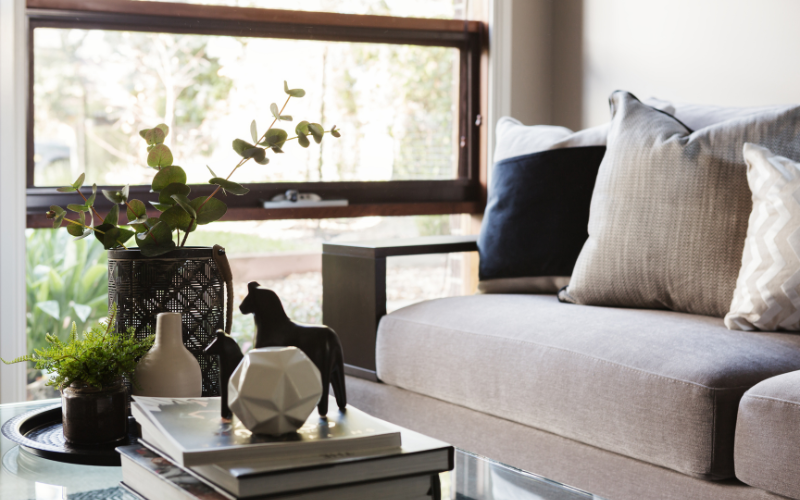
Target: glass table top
{"points": [[25, 476]]}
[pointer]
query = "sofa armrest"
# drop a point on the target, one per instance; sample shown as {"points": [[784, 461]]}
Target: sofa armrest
{"points": [[354, 290]]}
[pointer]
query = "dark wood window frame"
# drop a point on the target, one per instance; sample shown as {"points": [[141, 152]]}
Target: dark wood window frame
{"points": [[465, 194]]}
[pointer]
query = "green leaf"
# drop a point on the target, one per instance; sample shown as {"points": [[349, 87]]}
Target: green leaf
{"points": [[116, 196], [293, 92], [155, 136], [286, 118], [262, 161], [50, 307], [211, 211], [75, 207], [144, 227], [160, 206], [316, 131], [157, 241], [212, 172], [275, 137], [58, 215], [301, 128], [113, 216], [92, 197], [254, 131], [241, 146], [167, 176], [184, 202], [253, 152], [75, 229], [160, 156], [165, 196], [109, 236], [86, 232], [82, 311], [79, 182], [273, 108], [177, 217], [303, 141], [335, 132], [66, 189], [230, 186], [143, 133], [164, 128], [136, 210]]}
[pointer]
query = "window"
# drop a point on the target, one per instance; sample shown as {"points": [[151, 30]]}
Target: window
{"points": [[404, 91]]}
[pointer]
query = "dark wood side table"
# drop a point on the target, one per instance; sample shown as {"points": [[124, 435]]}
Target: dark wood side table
{"points": [[354, 290]]}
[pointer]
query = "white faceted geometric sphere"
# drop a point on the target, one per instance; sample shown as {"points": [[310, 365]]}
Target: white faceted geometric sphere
{"points": [[274, 390]]}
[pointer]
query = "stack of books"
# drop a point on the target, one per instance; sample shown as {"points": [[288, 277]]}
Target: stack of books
{"points": [[188, 452]]}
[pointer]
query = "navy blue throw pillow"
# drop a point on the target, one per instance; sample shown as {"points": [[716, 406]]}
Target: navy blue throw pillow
{"points": [[536, 217]]}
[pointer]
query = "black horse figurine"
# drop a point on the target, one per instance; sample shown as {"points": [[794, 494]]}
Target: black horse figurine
{"points": [[319, 343], [230, 355]]}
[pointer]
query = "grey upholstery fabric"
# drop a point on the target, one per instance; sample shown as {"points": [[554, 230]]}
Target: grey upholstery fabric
{"points": [[767, 452], [606, 474], [670, 208], [658, 386]]}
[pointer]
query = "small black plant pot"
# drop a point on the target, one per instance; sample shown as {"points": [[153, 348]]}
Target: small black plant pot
{"points": [[93, 416]]}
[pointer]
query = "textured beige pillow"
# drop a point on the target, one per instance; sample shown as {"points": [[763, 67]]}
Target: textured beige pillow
{"points": [[670, 207], [767, 295]]}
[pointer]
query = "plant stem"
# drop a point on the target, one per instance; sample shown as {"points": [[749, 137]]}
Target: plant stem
{"points": [[93, 209], [243, 160], [186, 233], [93, 229]]}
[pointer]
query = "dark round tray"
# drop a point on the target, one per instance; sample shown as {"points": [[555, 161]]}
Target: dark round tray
{"points": [[40, 432]]}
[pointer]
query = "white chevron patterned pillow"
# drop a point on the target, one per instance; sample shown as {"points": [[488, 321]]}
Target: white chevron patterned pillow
{"points": [[767, 295]]}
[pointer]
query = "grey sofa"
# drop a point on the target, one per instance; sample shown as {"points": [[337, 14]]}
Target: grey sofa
{"points": [[624, 403]]}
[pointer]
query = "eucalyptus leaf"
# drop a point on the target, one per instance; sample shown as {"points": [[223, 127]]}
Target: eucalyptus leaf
{"points": [[301, 128], [165, 196], [254, 131], [316, 131], [241, 146], [263, 161], [86, 232], [113, 216], [74, 229], [212, 172], [136, 210], [155, 136], [143, 133], [184, 202], [177, 217], [115, 196], [275, 137], [230, 186], [66, 189], [159, 157], [286, 118], [75, 207], [160, 206], [92, 197], [168, 175], [57, 214], [303, 141], [253, 152], [335, 132], [108, 236], [144, 226], [79, 182], [157, 241], [164, 128], [211, 211], [293, 92], [273, 108]]}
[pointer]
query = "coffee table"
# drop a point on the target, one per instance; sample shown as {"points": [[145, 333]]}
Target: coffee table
{"points": [[25, 476]]}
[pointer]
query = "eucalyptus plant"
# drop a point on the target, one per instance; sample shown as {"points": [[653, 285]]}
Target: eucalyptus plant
{"points": [[179, 213]]}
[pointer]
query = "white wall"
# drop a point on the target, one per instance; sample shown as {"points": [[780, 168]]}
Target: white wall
{"points": [[726, 52]]}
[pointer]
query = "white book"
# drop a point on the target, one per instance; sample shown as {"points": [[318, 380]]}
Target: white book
{"points": [[191, 432]]}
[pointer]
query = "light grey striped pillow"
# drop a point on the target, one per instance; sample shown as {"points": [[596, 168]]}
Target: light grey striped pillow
{"points": [[767, 295], [670, 207]]}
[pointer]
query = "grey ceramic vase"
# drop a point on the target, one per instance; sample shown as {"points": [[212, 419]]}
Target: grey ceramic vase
{"points": [[168, 370]]}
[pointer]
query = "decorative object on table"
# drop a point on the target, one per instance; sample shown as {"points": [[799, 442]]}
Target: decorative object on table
{"points": [[320, 343], [230, 355], [168, 370], [88, 370], [766, 295], [274, 390], [148, 475], [40, 432], [206, 439], [162, 274]]}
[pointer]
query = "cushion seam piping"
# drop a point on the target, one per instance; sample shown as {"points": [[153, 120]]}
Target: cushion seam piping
{"points": [[768, 398]]}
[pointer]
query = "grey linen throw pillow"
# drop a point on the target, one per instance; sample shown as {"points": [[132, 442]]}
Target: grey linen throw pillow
{"points": [[670, 208]]}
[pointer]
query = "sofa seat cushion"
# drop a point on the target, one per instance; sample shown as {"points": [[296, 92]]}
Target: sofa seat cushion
{"points": [[659, 386], [767, 450]]}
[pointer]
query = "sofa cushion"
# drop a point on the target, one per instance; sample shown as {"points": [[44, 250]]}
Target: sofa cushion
{"points": [[767, 451], [535, 221], [659, 386], [669, 211]]}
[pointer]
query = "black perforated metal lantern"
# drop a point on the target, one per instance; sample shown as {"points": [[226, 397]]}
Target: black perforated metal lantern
{"points": [[188, 281]]}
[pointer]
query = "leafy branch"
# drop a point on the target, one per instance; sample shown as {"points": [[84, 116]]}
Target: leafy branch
{"points": [[177, 211]]}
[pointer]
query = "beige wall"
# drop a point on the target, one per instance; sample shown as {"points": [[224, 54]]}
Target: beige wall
{"points": [[567, 56]]}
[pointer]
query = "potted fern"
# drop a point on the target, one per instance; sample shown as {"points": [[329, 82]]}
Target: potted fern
{"points": [[150, 267], [88, 369]]}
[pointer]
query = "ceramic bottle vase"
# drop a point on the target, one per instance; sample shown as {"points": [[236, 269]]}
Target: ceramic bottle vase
{"points": [[168, 370]]}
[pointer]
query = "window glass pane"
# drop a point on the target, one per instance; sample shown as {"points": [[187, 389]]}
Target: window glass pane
{"points": [[94, 90], [67, 280], [445, 9]]}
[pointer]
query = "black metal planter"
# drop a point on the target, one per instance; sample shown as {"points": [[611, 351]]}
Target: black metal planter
{"points": [[190, 281]]}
